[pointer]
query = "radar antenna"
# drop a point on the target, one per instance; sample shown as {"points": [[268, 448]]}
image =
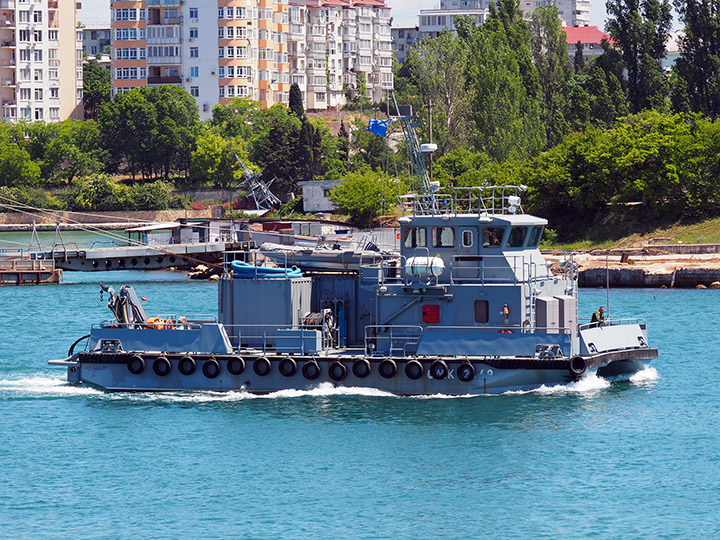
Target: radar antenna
{"points": [[426, 201]]}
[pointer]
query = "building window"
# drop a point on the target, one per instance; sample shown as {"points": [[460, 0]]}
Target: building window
{"points": [[38, 114], [193, 33], [193, 13], [194, 91], [194, 71], [194, 52]]}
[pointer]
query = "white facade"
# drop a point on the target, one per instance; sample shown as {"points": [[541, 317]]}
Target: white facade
{"points": [[316, 195], [96, 40], [40, 60], [435, 21], [331, 42], [404, 37]]}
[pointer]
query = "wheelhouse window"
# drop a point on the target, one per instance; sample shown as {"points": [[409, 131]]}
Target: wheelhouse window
{"points": [[492, 237], [443, 237], [467, 238], [517, 237], [415, 237], [482, 311], [535, 236]]}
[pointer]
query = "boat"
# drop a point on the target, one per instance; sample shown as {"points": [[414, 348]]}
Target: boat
{"points": [[327, 256], [470, 306]]}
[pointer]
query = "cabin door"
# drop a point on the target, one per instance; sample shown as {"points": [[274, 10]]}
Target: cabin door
{"points": [[468, 261]]}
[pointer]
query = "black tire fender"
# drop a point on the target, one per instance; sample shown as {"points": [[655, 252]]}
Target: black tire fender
{"points": [[337, 371], [211, 368], [466, 372], [311, 370], [236, 365], [136, 364], [577, 365], [187, 365], [414, 370], [162, 366], [262, 366], [287, 367], [361, 368], [388, 368], [438, 370]]}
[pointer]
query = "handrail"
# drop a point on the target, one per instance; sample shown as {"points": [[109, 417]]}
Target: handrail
{"points": [[611, 322]]}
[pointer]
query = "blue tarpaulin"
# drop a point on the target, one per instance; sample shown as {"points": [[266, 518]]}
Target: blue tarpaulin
{"points": [[378, 127]]}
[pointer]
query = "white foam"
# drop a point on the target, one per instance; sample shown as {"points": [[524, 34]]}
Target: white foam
{"points": [[45, 386], [322, 390], [645, 376], [588, 384]]}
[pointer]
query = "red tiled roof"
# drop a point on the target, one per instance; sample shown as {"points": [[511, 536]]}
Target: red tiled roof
{"points": [[585, 34]]}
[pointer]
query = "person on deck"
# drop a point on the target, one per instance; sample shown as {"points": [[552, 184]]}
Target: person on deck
{"points": [[598, 316]]}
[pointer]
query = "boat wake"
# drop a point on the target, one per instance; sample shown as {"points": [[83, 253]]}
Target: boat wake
{"points": [[645, 376], [589, 384], [40, 386]]}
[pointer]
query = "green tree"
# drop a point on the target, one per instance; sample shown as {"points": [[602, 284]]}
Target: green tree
{"points": [[549, 53], [296, 101], [214, 162], [16, 166], [439, 68], [640, 29], [697, 86], [72, 150], [96, 88], [506, 114], [364, 196]]}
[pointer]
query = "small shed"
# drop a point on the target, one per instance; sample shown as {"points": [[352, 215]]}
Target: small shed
{"points": [[316, 195]]}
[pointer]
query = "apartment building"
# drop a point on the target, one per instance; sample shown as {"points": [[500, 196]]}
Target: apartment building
{"points": [[334, 44], [40, 60], [215, 50], [253, 48], [435, 21], [96, 40], [403, 38]]}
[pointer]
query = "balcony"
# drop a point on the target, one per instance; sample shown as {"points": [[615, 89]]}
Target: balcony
{"points": [[8, 83], [155, 3], [7, 4], [8, 43], [7, 23], [164, 80]]}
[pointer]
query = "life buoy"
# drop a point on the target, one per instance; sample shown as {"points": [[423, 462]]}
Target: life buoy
{"points": [[438, 369], [187, 365], [287, 367], [136, 364], [161, 366], [388, 368], [262, 366], [414, 370], [169, 325], [361, 368], [311, 370], [337, 371], [236, 365], [466, 372], [211, 368], [577, 365]]}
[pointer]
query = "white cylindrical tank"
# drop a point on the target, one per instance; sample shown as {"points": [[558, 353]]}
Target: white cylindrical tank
{"points": [[424, 266]]}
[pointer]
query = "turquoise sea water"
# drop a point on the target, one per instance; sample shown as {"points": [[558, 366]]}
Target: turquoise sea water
{"points": [[598, 459]]}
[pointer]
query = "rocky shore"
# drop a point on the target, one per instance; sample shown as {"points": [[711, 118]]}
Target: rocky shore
{"points": [[676, 266]]}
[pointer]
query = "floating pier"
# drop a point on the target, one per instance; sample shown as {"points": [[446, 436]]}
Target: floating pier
{"points": [[28, 272]]}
